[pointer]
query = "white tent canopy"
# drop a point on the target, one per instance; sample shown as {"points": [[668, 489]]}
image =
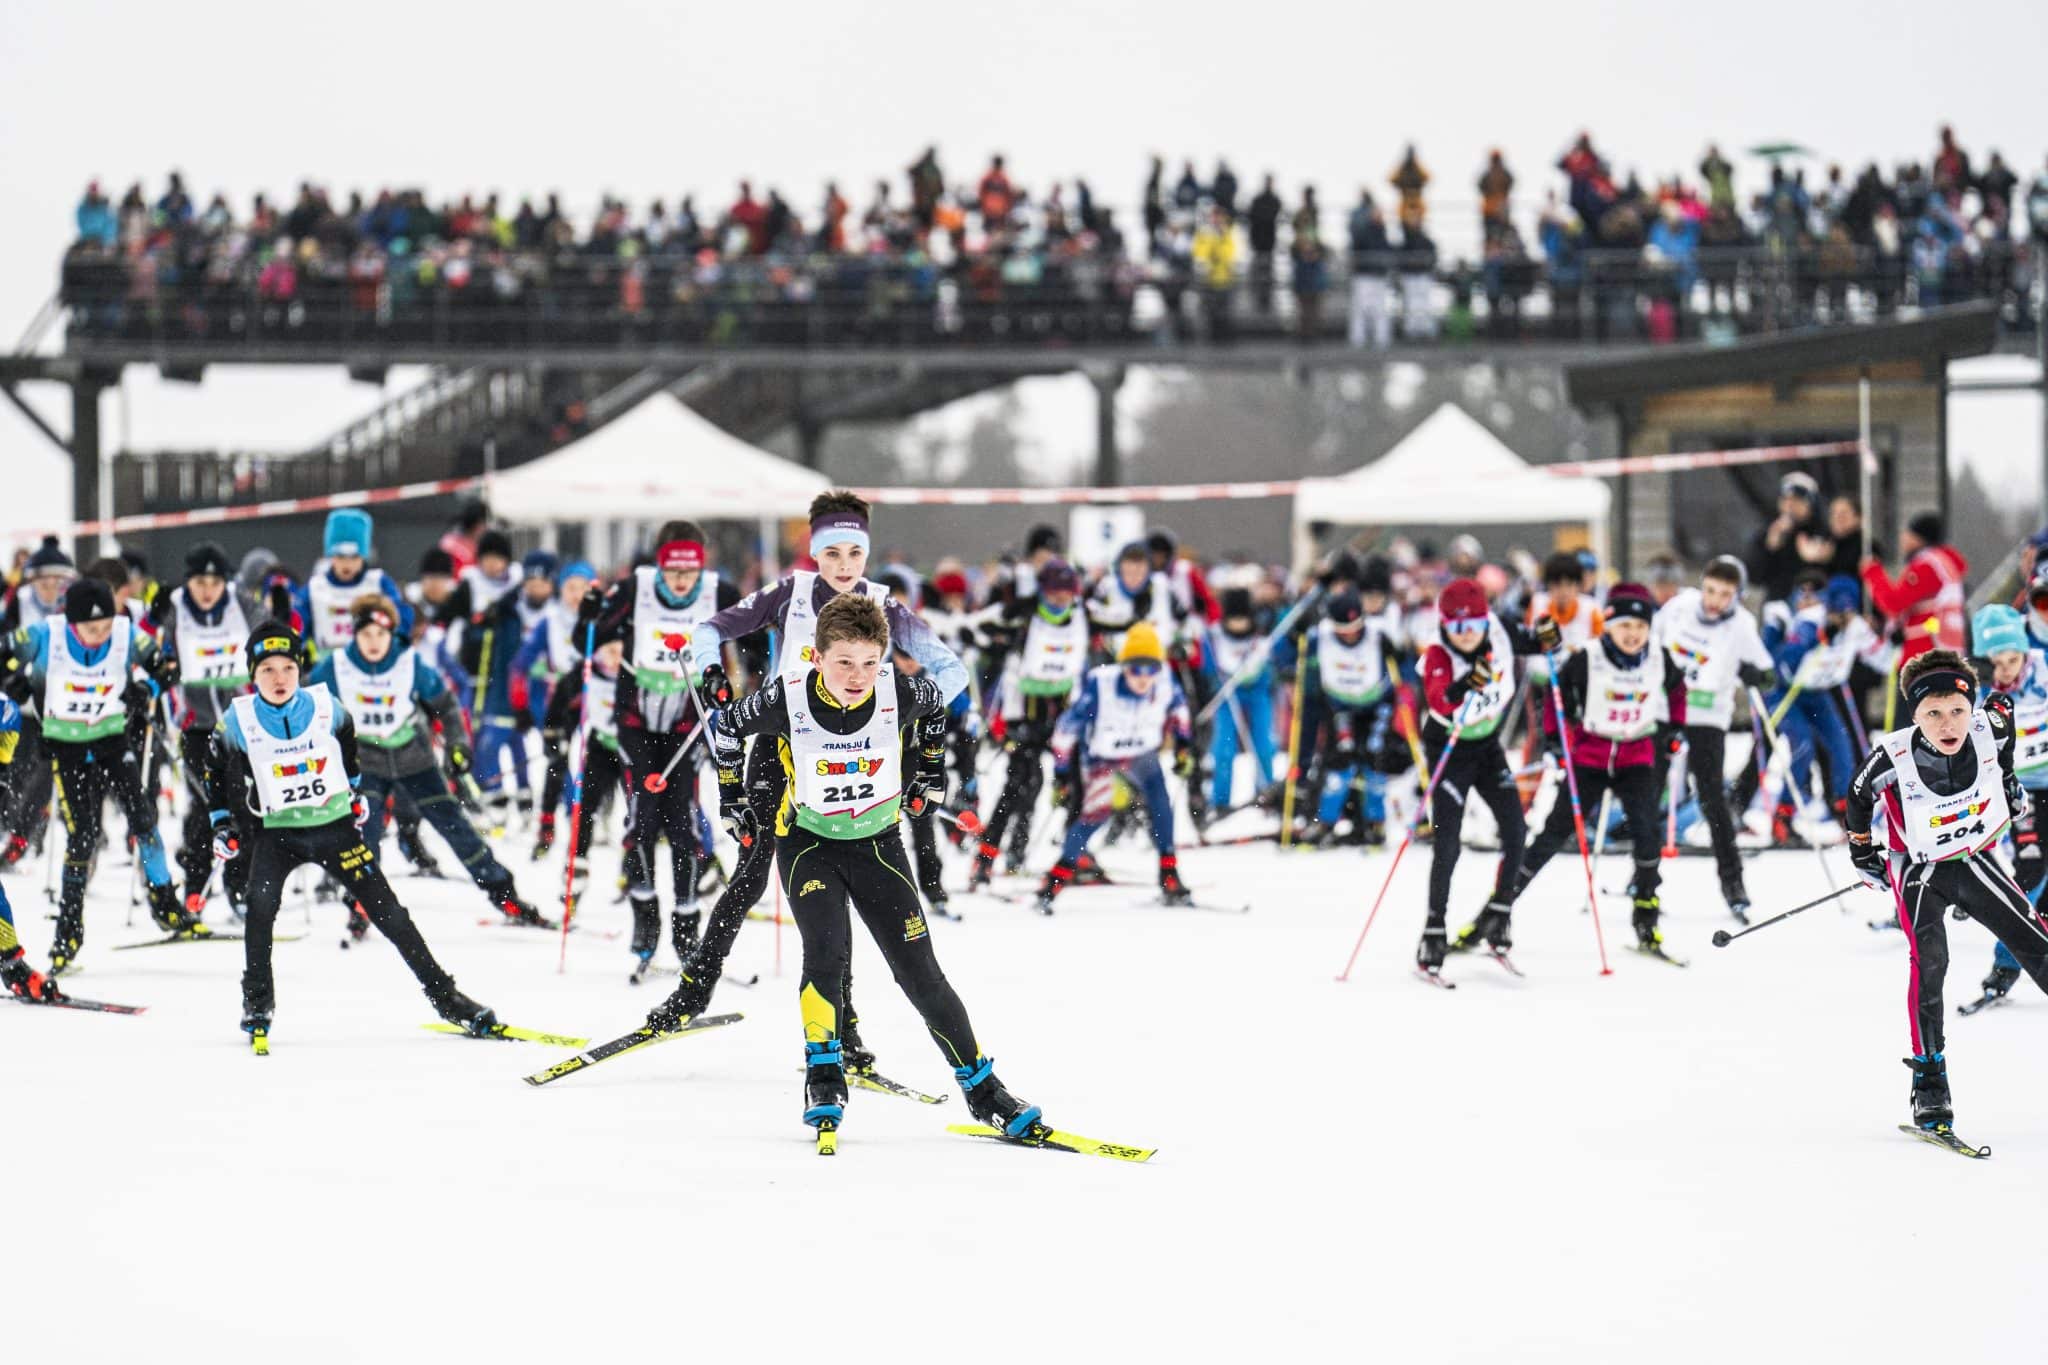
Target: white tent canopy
{"points": [[1451, 471], [659, 460]]}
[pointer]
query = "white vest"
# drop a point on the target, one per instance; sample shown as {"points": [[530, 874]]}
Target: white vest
{"points": [[1709, 653], [1111, 609], [1233, 652], [381, 703], [332, 626], [1053, 656], [1621, 702], [2030, 721], [1351, 674], [565, 648], [1483, 711], [661, 633], [1127, 727], [601, 703], [800, 627], [211, 655], [82, 702], [846, 786], [302, 780], [31, 608], [484, 590], [1935, 828]]}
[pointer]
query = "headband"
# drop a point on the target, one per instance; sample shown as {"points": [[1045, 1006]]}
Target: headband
{"points": [[680, 554], [377, 616], [1937, 682], [838, 528]]}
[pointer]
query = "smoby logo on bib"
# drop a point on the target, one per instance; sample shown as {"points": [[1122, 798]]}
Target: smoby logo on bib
{"points": [[851, 767], [305, 767], [88, 689]]}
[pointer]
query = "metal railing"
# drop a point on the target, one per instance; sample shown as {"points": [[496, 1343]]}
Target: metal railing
{"points": [[1049, 298]]}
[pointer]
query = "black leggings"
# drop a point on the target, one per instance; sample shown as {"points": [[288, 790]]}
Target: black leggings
{"points": [[29, 807], [195, 853], [826, 881], [1478, 768], [1706, 756], [1636, 789], [339, 851], [650, 815], [1027, 739], [87, 774], [1982, 889]]}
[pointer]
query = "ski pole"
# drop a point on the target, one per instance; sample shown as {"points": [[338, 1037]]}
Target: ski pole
{"points": [[1407, 836], [1674, 787], [658, 782], [1571, 782], [1600, 833], [1722, 938], [1294, 742], [1785, 703], [578, 763], [1256, 660], [967, 822], [1855, 718], [1783, 758]]}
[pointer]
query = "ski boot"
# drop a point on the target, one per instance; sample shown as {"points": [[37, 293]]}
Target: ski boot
{"points": [[170, 914], [544, 842], [2000, 981], [991, 1104], [1172, 890], [1088, 872], [456, 1008], [1316, 834], [983, 871], [859, 1057], [686, 1001], [423, 862], [646, 926], [258, 1004], [1492, 929], [12, 854], [1737, 896], [195, 904], [824, 1084], [1643, 918], [683, 922], [358, 923], [1931, 1105], [1057, 879], [70, 939], [1429, 951], [25, 981]]}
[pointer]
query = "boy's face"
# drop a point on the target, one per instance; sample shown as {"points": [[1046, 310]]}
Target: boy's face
{"points": [[373, 640], [572, 592], [1717, 595], [2006, 667], [1142, 675], [538, 591], [1945, 720], [849, 667], [276, 679], [1629, 634], [93, 634], [435, 587], [680, 582], [345, 568], [493, 565], [205, 590], [1132, 573], [1059, 601], [50, 588], [842, 566], [1374, 602], [609, 655]]}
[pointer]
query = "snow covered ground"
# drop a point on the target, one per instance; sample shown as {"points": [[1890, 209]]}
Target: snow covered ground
{"points": [[1660, 1165]]}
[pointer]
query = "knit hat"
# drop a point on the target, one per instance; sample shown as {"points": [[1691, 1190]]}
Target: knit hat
{"points": [[1042, 537], [1800, 484], [1844, 593], [1236, 602], [1141, 642], [1345, 609], [540, 564], [1728, 566], [950, 584], [208, 559], [1058, 576], [348, 533], [1462, 600], [1376, 575], [89, 599], [49, 558], [272, 638], [437, 562], [1929, 527], [1630, 602], [1998, 629], [494, 543], [579, 568]]}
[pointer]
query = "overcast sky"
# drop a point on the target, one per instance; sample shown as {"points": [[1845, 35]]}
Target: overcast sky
{"points": [[647, 100]]}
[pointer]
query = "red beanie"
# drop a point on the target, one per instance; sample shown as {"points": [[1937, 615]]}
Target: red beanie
{"points": [[1462, 600]]}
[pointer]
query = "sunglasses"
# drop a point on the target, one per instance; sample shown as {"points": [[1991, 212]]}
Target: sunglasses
{"points": [[1143, 668]]}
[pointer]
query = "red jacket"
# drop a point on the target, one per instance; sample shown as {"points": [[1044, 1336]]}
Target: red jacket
{"points": [[1931, 585]]}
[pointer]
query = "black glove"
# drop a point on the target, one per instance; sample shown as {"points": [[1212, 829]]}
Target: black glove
{"points": [[1480, 677], [1670, 738], [459, 757], [926, 788], [1548, 636], [137, 698], [1184, 762], [1756, 675], [713, 688], [1871, 865], [589, 609], [1062, 787], [736, 813], [1344, 753], [1020, 733]]}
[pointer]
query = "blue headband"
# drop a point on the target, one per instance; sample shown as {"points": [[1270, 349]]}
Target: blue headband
{"points": [[822, 536]]}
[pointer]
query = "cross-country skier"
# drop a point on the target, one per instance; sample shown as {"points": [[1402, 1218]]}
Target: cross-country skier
{"points": [[839, 545], [1354, 663], [38, 597], [1245, 723], [94, 676], [1713, 640], [2019, 674], [838, 728], [491, 638], [393, 696], [1949, 791], [287, 774], [1468, 686], [552, 649], [341, 575], [1119, 728], [16, 975], [1609, 690]]}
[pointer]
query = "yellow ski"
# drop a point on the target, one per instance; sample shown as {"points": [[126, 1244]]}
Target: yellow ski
{"points": [[517, 1035], [1042, 1136], [630, 1042]]}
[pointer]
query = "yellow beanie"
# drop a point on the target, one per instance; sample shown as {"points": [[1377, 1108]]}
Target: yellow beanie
{"points": [[1141, 642]]}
